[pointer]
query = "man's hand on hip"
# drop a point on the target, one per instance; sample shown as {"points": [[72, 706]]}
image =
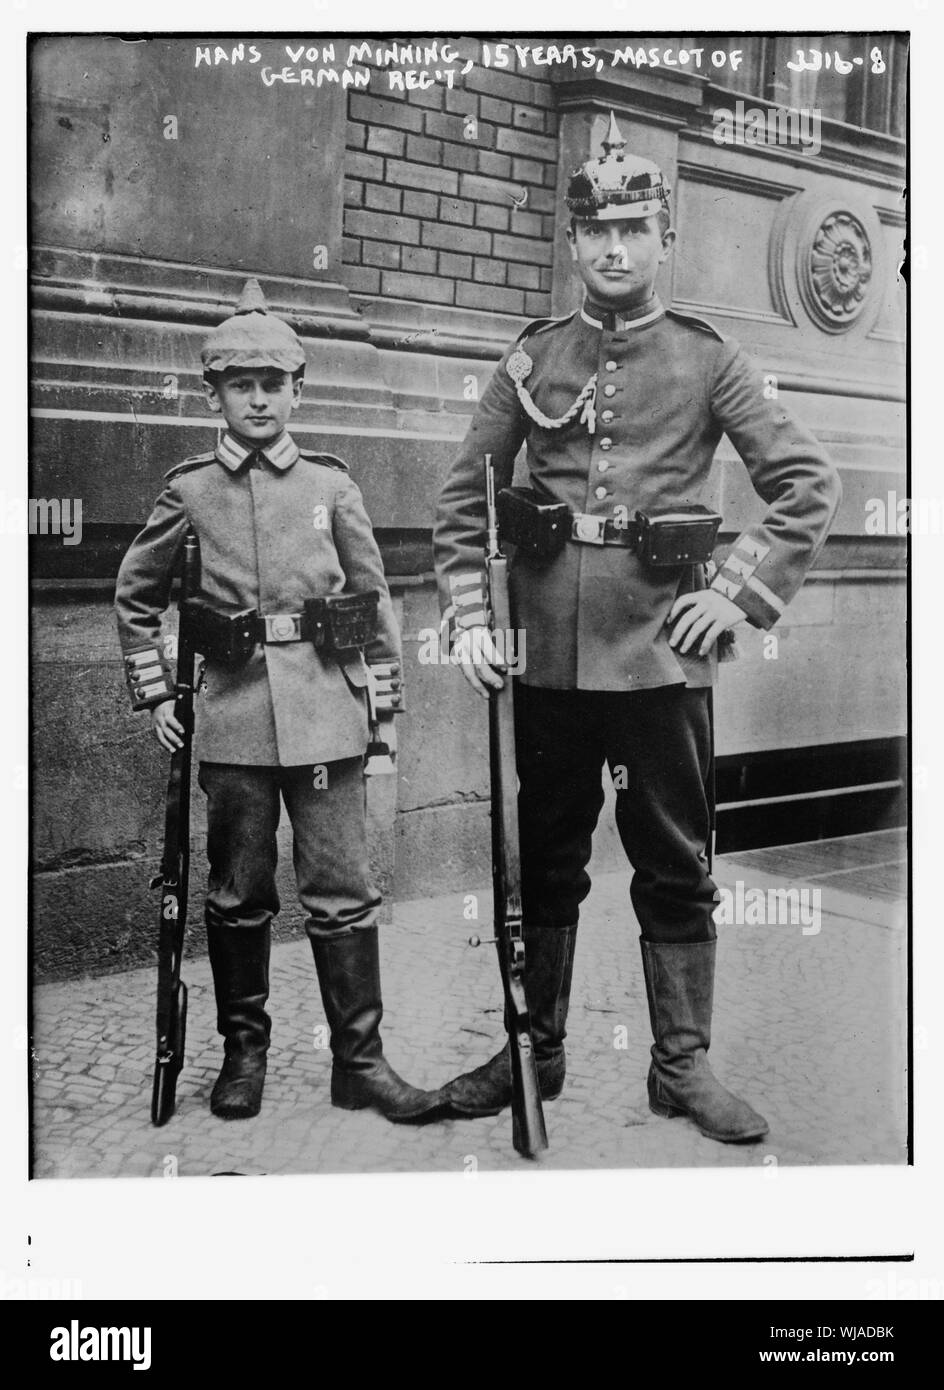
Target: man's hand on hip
{"points": [[701, 618]]}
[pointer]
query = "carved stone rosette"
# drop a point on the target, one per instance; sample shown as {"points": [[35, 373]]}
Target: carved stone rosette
{"points": [[835, 271]]}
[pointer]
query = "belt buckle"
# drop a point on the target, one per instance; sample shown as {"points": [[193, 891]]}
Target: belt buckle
{"points": [[283, 627], [589, 529]]}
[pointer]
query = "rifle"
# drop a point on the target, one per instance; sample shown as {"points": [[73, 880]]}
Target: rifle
{"points": [[528, 1133], [711, 787], [173, 879]]}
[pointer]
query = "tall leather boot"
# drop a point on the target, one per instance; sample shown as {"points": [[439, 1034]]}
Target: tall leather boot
{"points": [[680, 986], [349, 975], [239, 957], [549, 968]]}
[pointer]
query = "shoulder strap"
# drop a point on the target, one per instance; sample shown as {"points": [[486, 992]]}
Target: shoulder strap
{"points": [[197, 461], [692, 321], [536, 326], [328, 460]]}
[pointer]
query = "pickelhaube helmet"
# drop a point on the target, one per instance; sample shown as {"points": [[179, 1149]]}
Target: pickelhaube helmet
{"points": [[252, 337], [616, 184]]}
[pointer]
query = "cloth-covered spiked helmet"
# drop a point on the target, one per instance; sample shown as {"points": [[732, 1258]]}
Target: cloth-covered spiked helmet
{"points": [[252, 337], [615, 184]]}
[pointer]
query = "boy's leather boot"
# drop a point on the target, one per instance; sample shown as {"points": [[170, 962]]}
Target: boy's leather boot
{"points": [[239, 957], [680, 987], [548, 970], [349, 975]]}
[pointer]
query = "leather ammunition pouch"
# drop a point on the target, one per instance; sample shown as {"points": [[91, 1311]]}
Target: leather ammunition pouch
{"points": [[341, 622], [662, 538], [677, 536], [539, 528], [228, 638], [335, 625]]}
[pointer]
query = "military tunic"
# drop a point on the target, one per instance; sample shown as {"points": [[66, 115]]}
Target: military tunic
{"points": [[667, 387], [275, 526], [624, 414]]}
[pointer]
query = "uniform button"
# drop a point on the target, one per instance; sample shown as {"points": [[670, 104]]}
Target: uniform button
{"points": [[606, 443], [600, 493], [609, 390], [612, 366], [603, 465], [607, 416]]}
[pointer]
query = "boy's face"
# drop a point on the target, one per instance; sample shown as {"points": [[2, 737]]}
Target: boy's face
{"points": [[256, 402], [617, 261]]}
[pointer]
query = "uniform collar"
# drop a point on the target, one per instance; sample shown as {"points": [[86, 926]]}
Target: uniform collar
{"points": [[608, 319], [281, 453]]}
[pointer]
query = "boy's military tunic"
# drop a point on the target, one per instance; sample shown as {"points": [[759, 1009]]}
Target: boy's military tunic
{"points": [[665, 387], [276, 526]]}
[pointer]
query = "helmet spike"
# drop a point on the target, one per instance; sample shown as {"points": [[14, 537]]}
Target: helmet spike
{"points": [[252, 300], [614, 140]]}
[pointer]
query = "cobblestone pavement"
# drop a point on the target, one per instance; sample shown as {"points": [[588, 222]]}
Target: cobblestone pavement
{"points": [[809, 1026]]}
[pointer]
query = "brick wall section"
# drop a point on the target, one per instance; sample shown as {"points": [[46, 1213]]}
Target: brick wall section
{"points": [[429, 211]]}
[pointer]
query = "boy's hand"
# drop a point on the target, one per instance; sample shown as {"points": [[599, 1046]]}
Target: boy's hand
{"points": [[475, 654], [703, 615], [388, 697], [169, 731]]}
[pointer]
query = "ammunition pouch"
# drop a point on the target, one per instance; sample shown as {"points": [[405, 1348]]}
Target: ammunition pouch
{"points": [[536, 527], [335, 625], [677, 536], [341, 623], [228, 638], [663, 539]]}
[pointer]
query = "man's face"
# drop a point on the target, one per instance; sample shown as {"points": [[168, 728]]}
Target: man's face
{"points": [[255, 402], [617, 261]]}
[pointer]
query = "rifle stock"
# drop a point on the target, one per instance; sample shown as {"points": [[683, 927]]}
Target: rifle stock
{"points": [[529, 1135], [174, 877]]}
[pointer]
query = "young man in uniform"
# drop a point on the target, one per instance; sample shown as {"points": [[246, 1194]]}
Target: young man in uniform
{"points": [[622, 405], [277, 526]]}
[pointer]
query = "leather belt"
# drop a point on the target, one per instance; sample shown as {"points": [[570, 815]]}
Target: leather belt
{"points": [[602, 530], [336, 624]]}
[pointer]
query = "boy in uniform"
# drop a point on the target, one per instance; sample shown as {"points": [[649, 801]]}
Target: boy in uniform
{"points": [[622, 405], [277, 526]]}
